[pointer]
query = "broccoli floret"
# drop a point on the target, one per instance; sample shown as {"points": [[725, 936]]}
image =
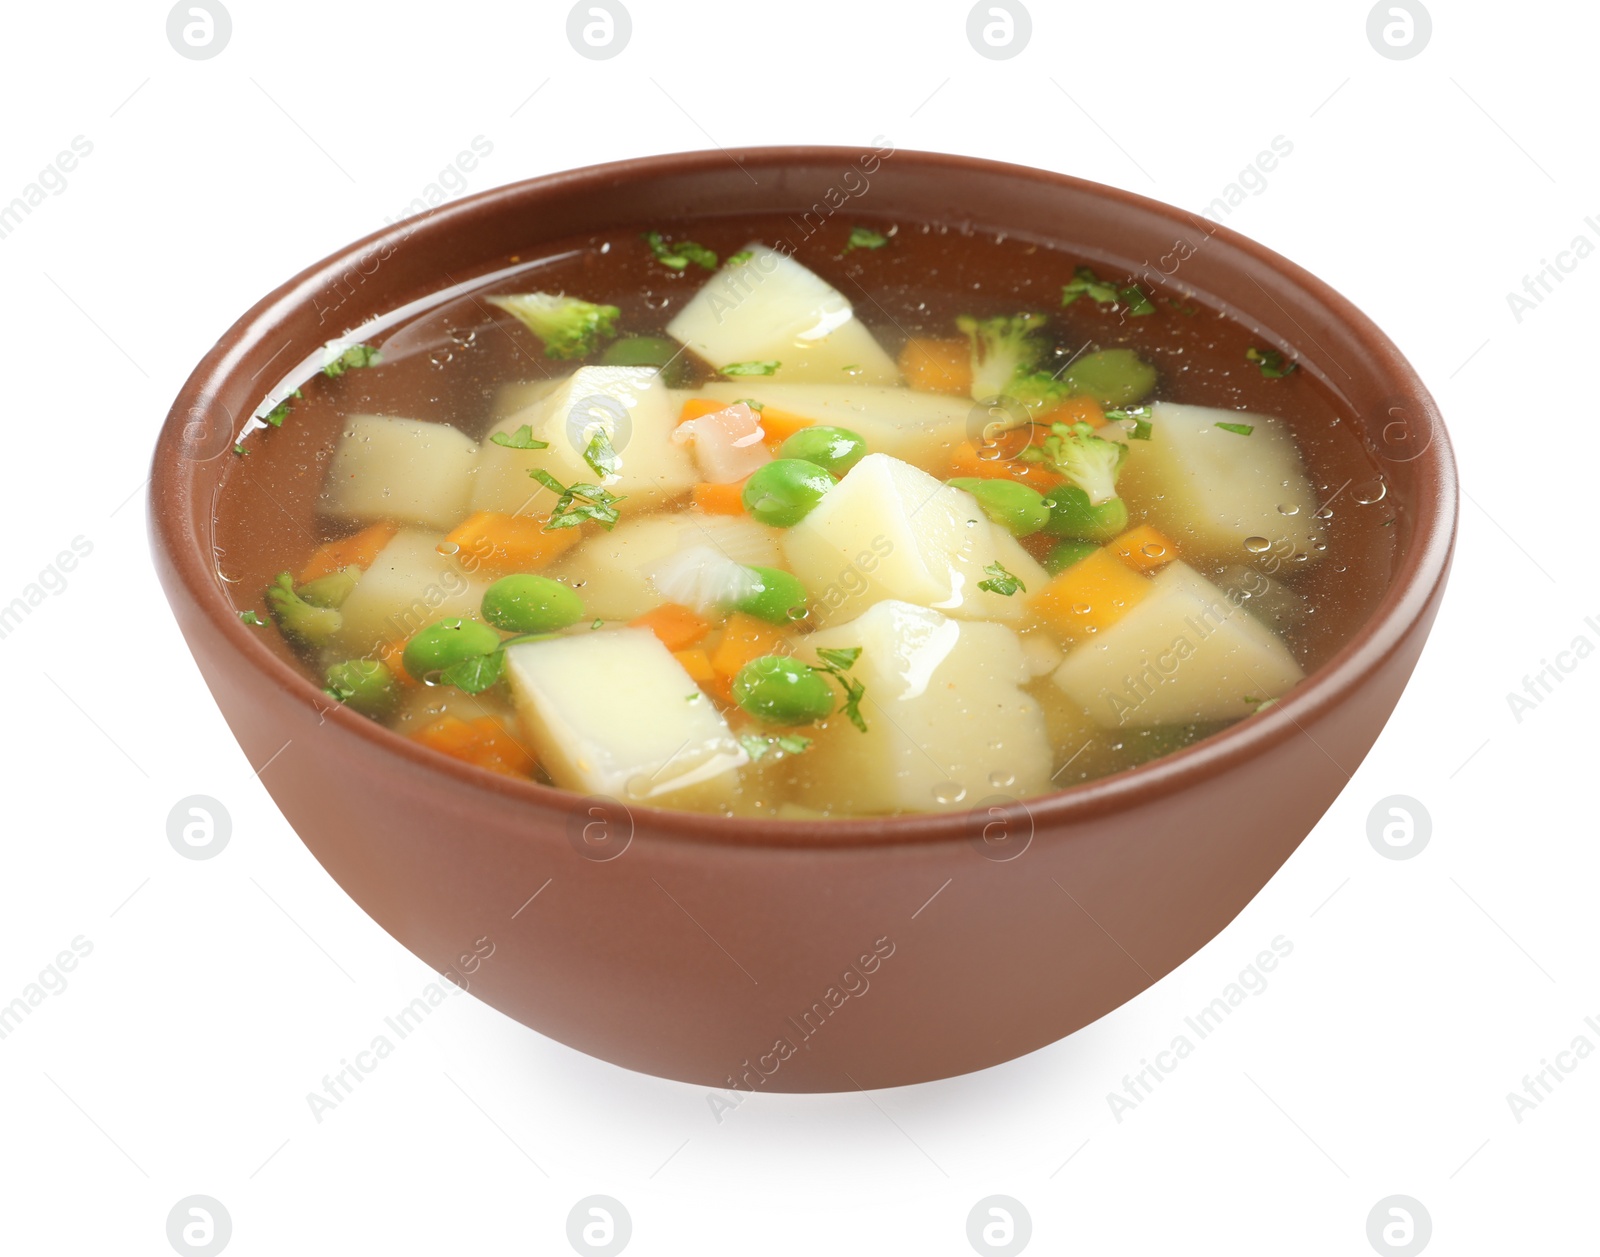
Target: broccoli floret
{"points": [[330, 590], [1006, 351], [1091, 462], [568, 326], [297, 619]]}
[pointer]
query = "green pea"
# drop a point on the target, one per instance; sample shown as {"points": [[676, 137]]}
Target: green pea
{"points": [[785, 490], [1065, 553], [1072, 516], [779, 598], [835, 450], [649, 351], [1018, 509], [446, 642], [365, 685], [531, 604], [1113, 377], [782, 691]]}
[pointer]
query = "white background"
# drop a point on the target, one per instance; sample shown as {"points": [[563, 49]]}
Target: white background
{"points": [[1377, 1061]]}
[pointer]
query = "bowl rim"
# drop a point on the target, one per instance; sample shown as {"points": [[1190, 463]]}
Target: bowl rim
{"points": [[1414, 583]]}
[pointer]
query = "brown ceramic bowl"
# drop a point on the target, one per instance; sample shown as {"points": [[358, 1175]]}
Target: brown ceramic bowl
{"points": [[794, 955]]}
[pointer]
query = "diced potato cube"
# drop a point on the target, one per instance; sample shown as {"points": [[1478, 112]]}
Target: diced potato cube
{"points": [[611, 570], [890, 530], [1183, 653], [772, 309], [409, 585], [517, 395], [630, 404], [613, 713], [1212, 490], [948, 725], [400, 469], [918, 427]]}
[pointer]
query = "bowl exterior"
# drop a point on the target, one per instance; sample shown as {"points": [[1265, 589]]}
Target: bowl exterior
{"points": [[801, 961]]}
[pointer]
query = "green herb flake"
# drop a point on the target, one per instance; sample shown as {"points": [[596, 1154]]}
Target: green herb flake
{"points": [[752, 403], [1243, 429], [835, 662], [751, 368], [1134, 298], [1086, 283], [865, 238], [758, 746], [239, 449], [740, 258], [521, 439], [842, 657], [678, 256], [352, 359], [250, 617], [598, 624], [602, 459], [1139, 416], [1272, 363], [577, 503], [475, 674], [280, 412], [793, 743], [1001, 581]]}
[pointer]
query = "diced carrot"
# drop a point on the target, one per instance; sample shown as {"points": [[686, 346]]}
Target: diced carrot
{"points": [[484, 742], [676, 626], [496, 544], [777, 426], [1143, 549], [390, 653], [937, 366], [744, 638], [696, 663], [358, 548], [697, 406], [1090, 596], [720, 499], [965, 461], [1073, 410]]}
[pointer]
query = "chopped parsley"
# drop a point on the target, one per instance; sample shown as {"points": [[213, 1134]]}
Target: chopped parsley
{"points": [[1243, 429], [1134, 297], [751, 368], [250, 617], [598, 624], [678, 256], [740, 258], [752, 403], [476, 673], [1139, 416], [280, 412], [601, 458], [1273, 364], [865, 238], [836, 663], [577, 503], [521, 439], [1085, 283], [239, 449], [351, 359], [1001, 581], [757, 745]]}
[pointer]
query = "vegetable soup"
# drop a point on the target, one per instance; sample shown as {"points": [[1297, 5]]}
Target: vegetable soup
{"points": [[753, 518]]}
